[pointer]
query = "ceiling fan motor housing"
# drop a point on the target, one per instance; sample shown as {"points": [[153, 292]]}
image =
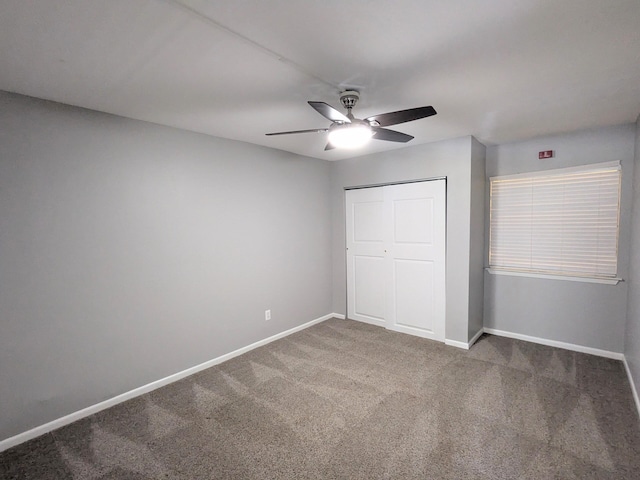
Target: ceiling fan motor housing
{"points": [[349, 98]]}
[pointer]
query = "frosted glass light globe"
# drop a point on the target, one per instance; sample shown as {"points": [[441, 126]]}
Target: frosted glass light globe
{"points": [[350, 135]]}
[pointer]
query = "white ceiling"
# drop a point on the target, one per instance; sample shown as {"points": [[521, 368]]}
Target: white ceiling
{"points": [[499, 70]]}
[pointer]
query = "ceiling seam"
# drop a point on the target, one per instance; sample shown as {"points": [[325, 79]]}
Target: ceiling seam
{"points": [[272, 53]]}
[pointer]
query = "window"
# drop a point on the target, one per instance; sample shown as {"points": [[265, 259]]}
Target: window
{"points": [[556, 222]]}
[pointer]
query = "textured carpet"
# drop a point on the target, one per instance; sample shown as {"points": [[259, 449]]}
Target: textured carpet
{"points": [[348, 400]]}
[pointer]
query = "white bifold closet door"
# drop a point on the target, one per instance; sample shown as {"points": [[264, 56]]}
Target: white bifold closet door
{"points": [[396, 257]]}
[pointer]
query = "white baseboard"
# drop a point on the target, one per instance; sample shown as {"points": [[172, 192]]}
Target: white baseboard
{"points": [[555, 343], [633, 385], [136, 392], [338, 315], [463, 345], [476, 337], [456, 343]]}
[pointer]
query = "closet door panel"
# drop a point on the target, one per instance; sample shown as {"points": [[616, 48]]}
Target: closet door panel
{"points": [[415, 293], [365, 255]]}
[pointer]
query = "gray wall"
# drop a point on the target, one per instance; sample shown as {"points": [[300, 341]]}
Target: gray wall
{"points": [[632, 338], [477, 248], [586, 314], [451, 159], [130, 251]]}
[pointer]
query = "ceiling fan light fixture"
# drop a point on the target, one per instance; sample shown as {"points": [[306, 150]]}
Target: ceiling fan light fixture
{"points": [[349, 132], [350, 135]]}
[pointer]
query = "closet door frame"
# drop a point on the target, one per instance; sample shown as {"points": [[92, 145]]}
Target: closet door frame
{"points": [[400, 254]]}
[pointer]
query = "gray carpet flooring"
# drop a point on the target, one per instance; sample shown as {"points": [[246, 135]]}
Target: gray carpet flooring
{"points": [[346, 400]]}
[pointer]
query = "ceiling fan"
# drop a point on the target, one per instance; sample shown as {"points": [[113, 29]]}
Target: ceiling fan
{"points": [[346, 131]]}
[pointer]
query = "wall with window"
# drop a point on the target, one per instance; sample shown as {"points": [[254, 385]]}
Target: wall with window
{"points": [[586, 314]]}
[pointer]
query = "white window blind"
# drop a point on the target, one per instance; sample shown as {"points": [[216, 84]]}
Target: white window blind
{"points": [[559, 222]]}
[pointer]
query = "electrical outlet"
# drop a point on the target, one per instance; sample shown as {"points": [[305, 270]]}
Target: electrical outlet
{"points": [[267, 314]]}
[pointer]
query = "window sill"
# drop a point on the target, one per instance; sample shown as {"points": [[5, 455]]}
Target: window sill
{"points": [[606, 281]]}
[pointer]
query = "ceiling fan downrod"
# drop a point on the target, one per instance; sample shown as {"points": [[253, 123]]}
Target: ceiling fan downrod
{"points": [[349, 98]]}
